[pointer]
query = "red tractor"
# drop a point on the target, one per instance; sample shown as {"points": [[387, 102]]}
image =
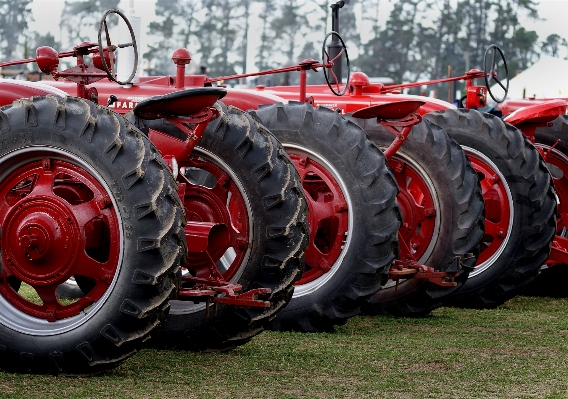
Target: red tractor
{"points": [[350, 196], [546, 127], [520, 202], [85, 195]]}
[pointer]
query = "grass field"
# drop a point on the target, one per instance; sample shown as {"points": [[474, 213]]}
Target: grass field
{"points": [[517, 351]]}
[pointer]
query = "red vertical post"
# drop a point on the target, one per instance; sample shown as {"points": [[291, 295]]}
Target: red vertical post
{"points": [[181, 58], [303, 79]]}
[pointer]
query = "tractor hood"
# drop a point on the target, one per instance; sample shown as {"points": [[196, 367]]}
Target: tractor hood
{"points": [[127, 97]]}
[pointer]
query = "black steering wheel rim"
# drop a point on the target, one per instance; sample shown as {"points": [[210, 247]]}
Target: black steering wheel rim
{"points": [[491, 75], [325, 55], [112, 48]]}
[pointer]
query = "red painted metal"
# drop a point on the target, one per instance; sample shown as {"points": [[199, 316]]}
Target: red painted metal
{"points": [[218, 216], [181, 58], [539, 114], [57, 222], [47, 59], [560, 178], [476, 96], [12, 90], [497, 208], [205, 290], [558, 252], [209, 241], [307, 65], [558, 163], [418, 211], [328, 217], [527, 119], [207, 237], [405, 269], [511, 106], [392, 116], [193, 127], [221, 204]]}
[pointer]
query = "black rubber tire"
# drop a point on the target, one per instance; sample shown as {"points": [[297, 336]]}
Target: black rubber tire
{"points": [[527, 243], [371, 244], [553, 141], [153, 243], [439, 160], [551, 281], [279, 232]]}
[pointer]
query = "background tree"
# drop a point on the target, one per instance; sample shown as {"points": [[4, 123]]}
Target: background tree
{"points": [[552, 44], [419, 39], [226, 15], [264, 55], [14, 18], [80, 19], [177, 26], [395, 52], [213, 31], [289, 24]]}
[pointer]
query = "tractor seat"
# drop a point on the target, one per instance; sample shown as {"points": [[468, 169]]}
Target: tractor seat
{"points": [[179, 103], [392, 111]]}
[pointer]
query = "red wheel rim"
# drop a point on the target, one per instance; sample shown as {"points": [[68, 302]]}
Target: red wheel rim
{"points": [[217, 200], [328, 217], [498, 209], [418, 210], [57, 221], [559, 160]]}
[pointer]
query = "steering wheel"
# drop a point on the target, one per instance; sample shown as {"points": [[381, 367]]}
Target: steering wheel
{"points": [[111, 48], [493, 73], [328, 64]]}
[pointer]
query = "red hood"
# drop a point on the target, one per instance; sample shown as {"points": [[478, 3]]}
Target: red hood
{"points": [[128, 97]]}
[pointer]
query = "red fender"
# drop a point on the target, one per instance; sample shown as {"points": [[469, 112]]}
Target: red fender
{"points": [[11, 90]]}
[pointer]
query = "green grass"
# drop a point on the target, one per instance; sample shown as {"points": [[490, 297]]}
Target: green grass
{"points": [[519, 350]]}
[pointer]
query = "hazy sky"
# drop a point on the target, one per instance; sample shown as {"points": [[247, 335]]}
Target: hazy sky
{"points": [[47, 13]]}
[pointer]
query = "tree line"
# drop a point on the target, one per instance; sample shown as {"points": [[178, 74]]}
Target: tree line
{"points": [[419, 39]]}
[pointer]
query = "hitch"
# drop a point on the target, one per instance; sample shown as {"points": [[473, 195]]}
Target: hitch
{"points": [[208, 241], [409, 268], [222, 292]]}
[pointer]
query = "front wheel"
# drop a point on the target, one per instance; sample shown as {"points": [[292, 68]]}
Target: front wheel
{"points": [[75, 183], [520, 204]]}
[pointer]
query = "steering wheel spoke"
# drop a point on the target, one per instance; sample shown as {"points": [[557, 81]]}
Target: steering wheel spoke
{"points": [[338, 55], [499, 83]]}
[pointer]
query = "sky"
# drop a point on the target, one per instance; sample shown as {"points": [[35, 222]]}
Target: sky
{"points": [[47, 15]]}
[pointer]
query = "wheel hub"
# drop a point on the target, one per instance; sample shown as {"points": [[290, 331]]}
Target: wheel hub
{"points": [[212, 195], [40, 234], [57, 221], [328, 217], [418, 210]]}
